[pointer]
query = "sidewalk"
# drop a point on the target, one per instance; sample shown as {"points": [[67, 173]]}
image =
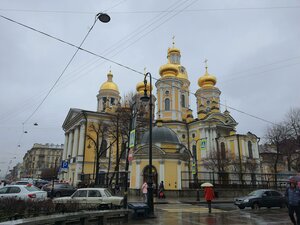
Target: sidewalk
{"points": [[176, 200]]}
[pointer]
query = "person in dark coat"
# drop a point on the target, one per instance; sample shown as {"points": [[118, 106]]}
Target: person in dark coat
{"points": [[161, 190], [209, 195], [292, 194]]}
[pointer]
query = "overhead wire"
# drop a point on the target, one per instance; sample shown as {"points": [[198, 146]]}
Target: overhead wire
{"points": [[152, 11], [126, 67], [170, 10]]}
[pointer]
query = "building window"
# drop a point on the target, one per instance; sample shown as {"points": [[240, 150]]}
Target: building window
{"points": [[183, 136], [223, 151], [182, 101], [250, 150], [193, 135], [112, 101], [103, 148], [167, 104], [167, 92]]}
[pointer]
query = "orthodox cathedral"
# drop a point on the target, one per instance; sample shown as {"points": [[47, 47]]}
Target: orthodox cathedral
{"points": [[183, 146]]}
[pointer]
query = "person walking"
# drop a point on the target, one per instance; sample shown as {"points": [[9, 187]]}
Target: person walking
{"points": [[145, 190], [209, 196], [161, 190], [292, 194]]}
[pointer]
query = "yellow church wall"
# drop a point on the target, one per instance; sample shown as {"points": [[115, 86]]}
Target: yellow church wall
{"points": [[133, 175], [166, 115], [232, 149], [176, 99], [88, 168], [170, 174]]}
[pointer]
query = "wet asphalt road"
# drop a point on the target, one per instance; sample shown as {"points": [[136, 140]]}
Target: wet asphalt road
{"points": [[222, 214]]}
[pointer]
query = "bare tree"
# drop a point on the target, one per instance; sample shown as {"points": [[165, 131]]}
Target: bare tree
{"points": [[276, 135], [120, 126], [96, 136], [215, 161]]}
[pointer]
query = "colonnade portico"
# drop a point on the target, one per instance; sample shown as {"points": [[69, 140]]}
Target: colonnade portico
{"points": [[73, 153]]}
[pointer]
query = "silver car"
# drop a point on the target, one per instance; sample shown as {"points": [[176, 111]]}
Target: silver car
{"points": [[87, 198], [22, 192]]}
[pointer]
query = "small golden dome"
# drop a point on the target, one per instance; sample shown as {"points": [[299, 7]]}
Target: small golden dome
{"points": [[207, 80], [140, 87], [173, 50], [109, 84], [168, 70], [182, 73]]}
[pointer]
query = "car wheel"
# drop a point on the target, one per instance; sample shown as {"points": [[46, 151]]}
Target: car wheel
{"points": [[241, 207], [255, 206], [57, 194]]}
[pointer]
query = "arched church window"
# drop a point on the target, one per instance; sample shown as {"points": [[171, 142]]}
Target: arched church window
{"points": [[112, 101], [103, 149], [223, 151], [182, 101], [103, 103], [250, 150], [167, 104]]}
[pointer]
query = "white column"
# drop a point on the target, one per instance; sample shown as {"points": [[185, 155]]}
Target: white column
{"points": [[179, 175], [75, 142], [65, 151], [81, 140], [137, 176], [70, 143], [161, 171]]}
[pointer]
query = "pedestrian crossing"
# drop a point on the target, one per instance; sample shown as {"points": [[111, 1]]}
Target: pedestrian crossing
{"points": [[198, 209]]}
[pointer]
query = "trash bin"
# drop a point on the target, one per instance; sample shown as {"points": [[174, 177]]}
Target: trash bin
{"points": [[140, 210]]}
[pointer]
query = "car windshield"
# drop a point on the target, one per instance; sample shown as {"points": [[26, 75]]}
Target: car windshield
{"points": [[32, 188], [255, 193]]}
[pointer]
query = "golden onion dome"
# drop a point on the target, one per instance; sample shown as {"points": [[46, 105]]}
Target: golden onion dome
{"points": [[182, 73], [168, 70], [207, 80], [109, 84], [140, 87], [173, 50]]}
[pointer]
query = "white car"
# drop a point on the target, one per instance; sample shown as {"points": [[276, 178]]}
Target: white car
{"points": [[90, 198], [23, 192]]}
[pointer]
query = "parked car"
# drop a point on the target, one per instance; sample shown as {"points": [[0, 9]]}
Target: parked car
{"points": [[59, 190], [23, 192], [261, 198], [91, 198], [40, 183], [21, 182]]}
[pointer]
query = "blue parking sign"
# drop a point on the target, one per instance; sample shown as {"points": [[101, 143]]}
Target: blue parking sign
{"points": [[64, 164]]}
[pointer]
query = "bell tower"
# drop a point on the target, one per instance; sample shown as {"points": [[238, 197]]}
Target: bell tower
{"points": [[208, 96]]}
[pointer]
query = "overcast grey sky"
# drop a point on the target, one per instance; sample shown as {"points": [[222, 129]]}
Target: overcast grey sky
{"points": [[252, 48]]}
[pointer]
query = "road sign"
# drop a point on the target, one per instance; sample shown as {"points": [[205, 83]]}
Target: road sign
{"points": [[64, 164]]}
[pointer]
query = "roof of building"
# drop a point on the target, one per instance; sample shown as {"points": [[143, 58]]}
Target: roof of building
{"points": [[161, 135]]}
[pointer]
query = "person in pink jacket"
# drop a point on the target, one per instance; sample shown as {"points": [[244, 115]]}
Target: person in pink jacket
{"points": [[145, 190]]}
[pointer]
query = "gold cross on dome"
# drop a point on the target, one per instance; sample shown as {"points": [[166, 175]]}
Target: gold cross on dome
{"points": [[173, 40], [205, 61]]}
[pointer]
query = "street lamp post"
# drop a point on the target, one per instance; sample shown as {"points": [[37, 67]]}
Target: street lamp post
{"points": [[196, 170], [145, 98]]}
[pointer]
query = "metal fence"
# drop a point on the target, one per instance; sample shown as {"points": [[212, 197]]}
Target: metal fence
{"points": [[235, 180]]}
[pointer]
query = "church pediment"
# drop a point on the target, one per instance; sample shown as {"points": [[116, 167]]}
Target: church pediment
{"points": [[221, 118], [73, 112]]}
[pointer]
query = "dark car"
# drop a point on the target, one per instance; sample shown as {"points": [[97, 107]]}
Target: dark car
{"points": [[60, 189], [261, 198]]}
